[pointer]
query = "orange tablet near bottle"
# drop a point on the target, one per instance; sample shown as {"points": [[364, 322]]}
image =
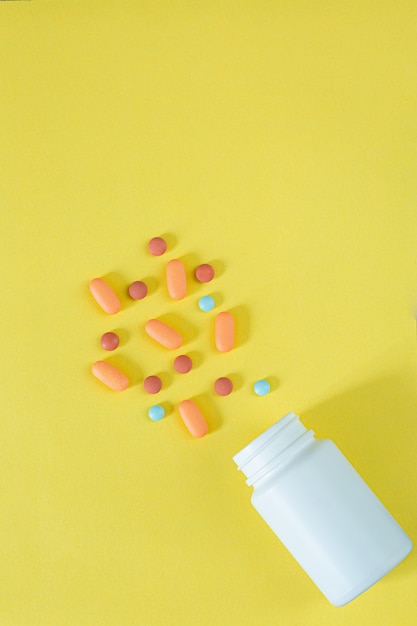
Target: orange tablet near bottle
{"points": [[193, 418], [225, 331]]}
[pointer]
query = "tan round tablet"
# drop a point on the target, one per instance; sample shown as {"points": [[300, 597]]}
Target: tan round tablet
{"points": [[223, 386], [157, 246], [183, 364], [204, 273], [152, 384]]}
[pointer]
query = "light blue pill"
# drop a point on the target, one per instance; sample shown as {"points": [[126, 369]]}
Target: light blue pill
{"points": [[206, 303], [262, 387], [156, 412]]}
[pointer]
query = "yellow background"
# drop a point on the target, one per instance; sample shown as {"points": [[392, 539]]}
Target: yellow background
{"points": [[278, 141]]}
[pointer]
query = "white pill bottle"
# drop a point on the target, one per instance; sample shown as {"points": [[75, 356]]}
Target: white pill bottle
{"points": [[321, 509]]}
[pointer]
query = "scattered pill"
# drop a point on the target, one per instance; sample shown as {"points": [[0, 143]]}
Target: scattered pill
{"points": [[138, 290], [152, 384], [224, 331], [204, 273], [163, 334], [223, 386], [262, 387], [109, 341], [193, 418], [183, 364], [156, 412], [176, 279], [157, 246], [104, 296], [110, 375], [206, 303]]}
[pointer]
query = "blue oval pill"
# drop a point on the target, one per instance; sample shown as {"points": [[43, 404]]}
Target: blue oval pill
{"points": [[262, 387], [206, 303], [156, 412]]}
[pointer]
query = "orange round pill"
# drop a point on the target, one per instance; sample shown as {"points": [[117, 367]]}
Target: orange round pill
{"points": [[138, 290], [223, 386], [183, 364], [204, 273], [157, 246], [152, 384], [109, 341]]}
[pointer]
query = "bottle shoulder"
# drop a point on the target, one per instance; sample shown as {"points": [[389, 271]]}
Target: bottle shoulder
{"points": [[302, 466]]}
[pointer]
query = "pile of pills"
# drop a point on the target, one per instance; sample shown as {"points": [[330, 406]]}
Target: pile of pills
{"points": [[168, 337]]}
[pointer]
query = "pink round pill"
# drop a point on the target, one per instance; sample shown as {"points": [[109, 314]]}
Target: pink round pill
{"points": [[109, 341], [138, 290], [204, 273], [183, 364], [152, 384], [223, 386], [157, 246]]}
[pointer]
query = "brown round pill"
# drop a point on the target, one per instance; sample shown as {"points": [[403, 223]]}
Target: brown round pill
{"points": [[152, 384], [109, 341], [204, 273], [138, 290], [223, 386], [183, 364], [157, 246]]}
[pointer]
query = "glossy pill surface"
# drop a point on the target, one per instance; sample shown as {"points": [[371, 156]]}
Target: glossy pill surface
{"points": [[157, 246], [156, 412], [223, 386], [204, 273], [110, 375], [206, 303], [109, 341], [193, 418], [138, 290], [104, 295], [176, 279], [152, 384], [163, 334], [262, 387], [225, 331], [183, 364]]}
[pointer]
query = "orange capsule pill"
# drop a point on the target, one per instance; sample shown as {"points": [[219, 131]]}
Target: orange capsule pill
{"points": [[104, 296], [163, 334], [225, 331], [193, 418], [110, 375], [176, 279]]}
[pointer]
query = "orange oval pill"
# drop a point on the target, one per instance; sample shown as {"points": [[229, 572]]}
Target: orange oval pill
{"points": [[225, 331], [110, 375], [176, 279], [105, 296], [193, 418], [163, 334]]}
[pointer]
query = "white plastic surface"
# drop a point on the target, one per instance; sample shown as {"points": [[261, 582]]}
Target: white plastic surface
{"points": [[326, 516]]}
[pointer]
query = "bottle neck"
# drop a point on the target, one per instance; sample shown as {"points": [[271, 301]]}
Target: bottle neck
{"points": [[273, 448]]}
